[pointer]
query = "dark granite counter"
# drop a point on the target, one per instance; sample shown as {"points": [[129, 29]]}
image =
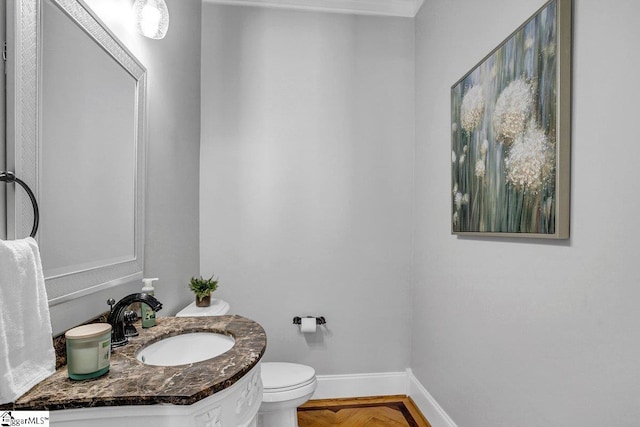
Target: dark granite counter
{"points": [[130, 382]]}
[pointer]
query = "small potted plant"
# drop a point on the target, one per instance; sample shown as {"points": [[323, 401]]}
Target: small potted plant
{"points": [[203, 288]]}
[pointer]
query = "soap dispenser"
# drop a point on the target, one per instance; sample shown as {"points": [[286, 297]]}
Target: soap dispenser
{"points": [[147, 314]]}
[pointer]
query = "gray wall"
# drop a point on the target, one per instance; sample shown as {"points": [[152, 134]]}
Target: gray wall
{"points": [[173, 65], [522, 332], [306, 176]]}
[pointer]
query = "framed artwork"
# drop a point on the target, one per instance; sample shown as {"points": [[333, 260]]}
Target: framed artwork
{"points": [[511, 134]]}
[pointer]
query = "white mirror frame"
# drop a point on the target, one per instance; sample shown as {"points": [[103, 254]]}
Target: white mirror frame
{"points": [[24, 87]]}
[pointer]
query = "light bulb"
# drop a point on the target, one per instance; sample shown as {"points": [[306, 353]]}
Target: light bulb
{"points": [[150, 21]]}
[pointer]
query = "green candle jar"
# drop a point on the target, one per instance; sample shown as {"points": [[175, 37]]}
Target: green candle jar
{"points": [[88, 351]]}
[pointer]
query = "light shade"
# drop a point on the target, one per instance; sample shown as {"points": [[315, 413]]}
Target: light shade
{"points": [[152, 18]]}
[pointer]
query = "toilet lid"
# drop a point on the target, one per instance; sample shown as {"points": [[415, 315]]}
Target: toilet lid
{"points": [[218, 307], [280, 375]]}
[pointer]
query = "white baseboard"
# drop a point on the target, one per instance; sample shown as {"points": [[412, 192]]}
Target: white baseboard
{"points": [[384, 384], [427, 404], [361, 385]]}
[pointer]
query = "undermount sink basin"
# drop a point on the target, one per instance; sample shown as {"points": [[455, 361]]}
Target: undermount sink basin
{"points": [[185, 349]]}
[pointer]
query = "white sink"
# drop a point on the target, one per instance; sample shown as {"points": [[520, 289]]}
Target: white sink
{"points": [[185, 349]]}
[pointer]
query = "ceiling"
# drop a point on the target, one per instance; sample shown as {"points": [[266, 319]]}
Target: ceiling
{"points": [[406, 8]]}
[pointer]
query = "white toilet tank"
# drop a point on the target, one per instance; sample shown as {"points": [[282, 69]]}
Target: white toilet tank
{"points": [[218, 307]]}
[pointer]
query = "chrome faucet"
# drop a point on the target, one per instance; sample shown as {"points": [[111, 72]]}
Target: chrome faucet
{"points": [[116, 315]]}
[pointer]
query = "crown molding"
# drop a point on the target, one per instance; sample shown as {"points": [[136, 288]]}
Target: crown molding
{"points": [[402, 8]]}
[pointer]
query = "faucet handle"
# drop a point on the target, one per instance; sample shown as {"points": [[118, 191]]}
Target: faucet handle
{"points": [[130, 317], [111, 302]]}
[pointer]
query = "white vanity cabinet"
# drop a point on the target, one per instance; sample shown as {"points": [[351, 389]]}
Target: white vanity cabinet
{"points": [[236, 406]]}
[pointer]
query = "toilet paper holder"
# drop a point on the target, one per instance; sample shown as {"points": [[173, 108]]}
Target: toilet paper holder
{"points": [[320, 320]]}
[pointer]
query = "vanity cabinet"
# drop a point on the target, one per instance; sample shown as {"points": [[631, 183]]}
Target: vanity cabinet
{"points": [[236, 406]]}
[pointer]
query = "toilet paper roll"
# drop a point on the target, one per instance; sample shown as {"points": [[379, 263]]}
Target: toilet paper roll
{"points": [[308, 325]]}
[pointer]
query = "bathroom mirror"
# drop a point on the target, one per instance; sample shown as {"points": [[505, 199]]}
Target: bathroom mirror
{"points": [[76, 135]]}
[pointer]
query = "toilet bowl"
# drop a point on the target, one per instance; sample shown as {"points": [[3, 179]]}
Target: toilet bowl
{"points": [[285, 385]]}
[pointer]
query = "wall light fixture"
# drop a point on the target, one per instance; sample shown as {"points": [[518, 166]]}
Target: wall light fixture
{"points": [[152, 18]]}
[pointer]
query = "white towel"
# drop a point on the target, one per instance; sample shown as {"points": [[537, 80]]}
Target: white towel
{"points": [[26, 347]]}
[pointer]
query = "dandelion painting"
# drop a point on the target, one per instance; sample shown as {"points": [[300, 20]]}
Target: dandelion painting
{"points": [[510, 133]]}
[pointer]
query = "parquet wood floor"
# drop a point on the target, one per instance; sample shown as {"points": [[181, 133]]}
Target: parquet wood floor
{"points": [[387, 411]]}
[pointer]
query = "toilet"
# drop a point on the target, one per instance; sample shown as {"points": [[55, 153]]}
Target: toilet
{"points": [[285, 385]]}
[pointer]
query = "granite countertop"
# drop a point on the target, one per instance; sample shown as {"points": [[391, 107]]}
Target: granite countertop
{"points": [[130, 382]]}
